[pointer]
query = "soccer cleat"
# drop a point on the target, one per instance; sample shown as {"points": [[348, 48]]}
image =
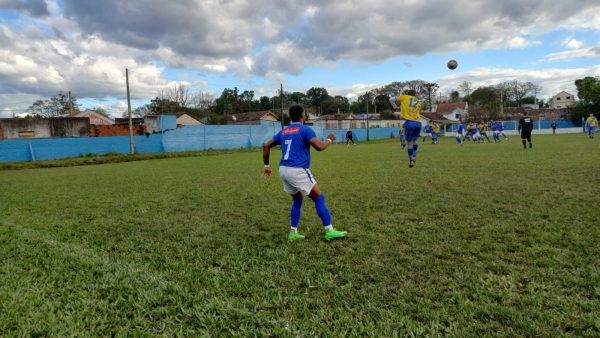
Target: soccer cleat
{"points": [[294, 236], [333, 234]]}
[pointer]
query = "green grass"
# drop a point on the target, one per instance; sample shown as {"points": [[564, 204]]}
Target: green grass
{"points": [[484, 240]]}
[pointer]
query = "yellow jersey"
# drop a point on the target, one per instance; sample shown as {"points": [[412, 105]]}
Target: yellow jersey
{"points": [[482, 127], [591, 122], [436, 129], [410, 107]]}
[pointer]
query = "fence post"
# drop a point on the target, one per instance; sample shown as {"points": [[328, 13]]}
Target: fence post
{"points": [[31, 152]]}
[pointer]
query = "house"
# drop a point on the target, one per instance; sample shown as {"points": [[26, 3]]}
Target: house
{"points": [[253, 118], [454, 111], [562, 100], [340, 121], [95, 118], [186, 120]]}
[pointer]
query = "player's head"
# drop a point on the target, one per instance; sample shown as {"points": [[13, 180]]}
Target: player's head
{"points": [[410, 92], [525, 113], [297, 114]]}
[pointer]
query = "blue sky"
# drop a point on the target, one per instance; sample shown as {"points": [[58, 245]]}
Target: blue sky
{"points": [[52, 46]]}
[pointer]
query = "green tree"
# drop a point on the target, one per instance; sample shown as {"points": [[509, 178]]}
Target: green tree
{"points": [[315, 96], [57, 105], [588, 90], [455, 96]]}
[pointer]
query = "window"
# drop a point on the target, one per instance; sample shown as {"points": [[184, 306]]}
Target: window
{"points": [[568, 97], [558, 99]]}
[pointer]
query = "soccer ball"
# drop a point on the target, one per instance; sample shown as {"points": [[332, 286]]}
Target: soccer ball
{"points": [[452, 64]]}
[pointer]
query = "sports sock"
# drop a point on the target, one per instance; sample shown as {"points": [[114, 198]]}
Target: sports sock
{"points": [[295, 213], [411, 153], [415, 148], [524, 144], [322, 211]]}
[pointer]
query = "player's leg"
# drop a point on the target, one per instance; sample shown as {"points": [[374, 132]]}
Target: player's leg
{"points": [[324, 214], [487, 137], [529, 139], [295, 214], [524, 140]]}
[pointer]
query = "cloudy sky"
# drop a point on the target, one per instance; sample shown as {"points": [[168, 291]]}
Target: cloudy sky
{"points": [[346, 46]]}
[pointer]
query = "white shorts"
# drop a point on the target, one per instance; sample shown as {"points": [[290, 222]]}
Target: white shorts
{"points": [[476, 135], [297, 179]]}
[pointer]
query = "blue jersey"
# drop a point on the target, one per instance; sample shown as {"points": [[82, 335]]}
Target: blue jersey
{"points": [[461, 129], [295, 145], [428, 129], [495, 127], [500, 127]]}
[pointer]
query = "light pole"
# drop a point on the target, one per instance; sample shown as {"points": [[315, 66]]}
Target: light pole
{"points": [[368, 131]]}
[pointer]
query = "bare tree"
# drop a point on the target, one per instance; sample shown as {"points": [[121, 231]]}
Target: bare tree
{"points": [[180, 94], [466, 88], [202, 100]]}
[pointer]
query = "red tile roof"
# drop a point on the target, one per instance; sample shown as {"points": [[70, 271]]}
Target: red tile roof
{"points": [[450, 107]]}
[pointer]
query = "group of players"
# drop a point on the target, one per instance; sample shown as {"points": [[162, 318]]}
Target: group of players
{"points": [[297, 139]]}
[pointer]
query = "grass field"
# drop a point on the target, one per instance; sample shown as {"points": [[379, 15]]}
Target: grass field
{"points": [[482, 240]]}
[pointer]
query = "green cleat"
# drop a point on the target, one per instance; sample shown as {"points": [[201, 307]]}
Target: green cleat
{"points": [[333, 234], [294, 236]]}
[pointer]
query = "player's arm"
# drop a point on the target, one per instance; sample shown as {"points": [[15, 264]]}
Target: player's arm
{"points": [[266, 155], [520, 124], [320, 146]]}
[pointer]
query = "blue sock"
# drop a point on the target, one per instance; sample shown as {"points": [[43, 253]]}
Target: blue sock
{"points": [[415, 148], [295, 212], [411, 153], [458, 139], [322, 210]]}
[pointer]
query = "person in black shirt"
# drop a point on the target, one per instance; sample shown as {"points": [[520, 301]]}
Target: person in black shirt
{"points": [[349, 137], [525, 128], [553, 126]]}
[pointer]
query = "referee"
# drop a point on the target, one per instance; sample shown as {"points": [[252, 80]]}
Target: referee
{"points": [[525, 128]]}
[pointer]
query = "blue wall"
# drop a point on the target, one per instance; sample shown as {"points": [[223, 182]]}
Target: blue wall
{"points": [[190, 138]]}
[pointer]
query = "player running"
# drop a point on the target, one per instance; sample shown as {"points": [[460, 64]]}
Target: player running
{"points": [[460, 134], [525, 128], [435, 133], [410, 110], [350, 137], [428, 132], [591, 123], [294, 171], [483, 128], [496, 131], [501, 131]]}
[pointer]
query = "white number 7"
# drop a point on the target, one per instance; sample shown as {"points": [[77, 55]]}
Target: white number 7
{"points": [[288, 144]]}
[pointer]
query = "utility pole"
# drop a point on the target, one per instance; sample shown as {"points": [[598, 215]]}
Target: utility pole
{"points": [[368, 131], [281, 99], [131, 146], [70, 103]]}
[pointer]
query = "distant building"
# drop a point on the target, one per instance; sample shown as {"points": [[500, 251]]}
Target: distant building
{"points": [[27, 128], [253, 118], [95, 118], [186, 120], [455, 111], [562, 100]]}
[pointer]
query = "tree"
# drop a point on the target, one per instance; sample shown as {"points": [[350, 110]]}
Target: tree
{"points": [[57, 105], [466, 87], [454, 96], [203, 101], [430, 89], [588, 90], [140, 111], [180, 94], [315, 96], [484, 97], [265, 103], [100, 111]]}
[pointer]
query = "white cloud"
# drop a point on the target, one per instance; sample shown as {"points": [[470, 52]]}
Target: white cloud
{"points": [[570, 55], [552, 80], [573, 43]]}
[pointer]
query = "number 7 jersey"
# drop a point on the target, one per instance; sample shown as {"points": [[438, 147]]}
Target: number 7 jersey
{"points": [[410, 107], [295, 145]]}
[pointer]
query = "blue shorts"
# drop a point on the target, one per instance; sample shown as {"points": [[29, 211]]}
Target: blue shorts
{"points": [[412, 130]]}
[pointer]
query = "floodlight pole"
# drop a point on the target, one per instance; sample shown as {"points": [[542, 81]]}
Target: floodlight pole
{"points": [[131, 145]]}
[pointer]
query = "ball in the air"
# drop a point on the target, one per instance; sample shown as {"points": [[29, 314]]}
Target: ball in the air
{"points": [[452, 64]]}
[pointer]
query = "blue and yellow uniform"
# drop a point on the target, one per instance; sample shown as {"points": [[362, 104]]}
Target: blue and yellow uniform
{"points": [[591, 124], [410, 110]]}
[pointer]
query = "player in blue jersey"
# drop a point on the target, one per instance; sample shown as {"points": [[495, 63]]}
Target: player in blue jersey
{"points": [[294, 171], [501, 131], [475, 133], [496, 131], [460, 134], [428, 130]]}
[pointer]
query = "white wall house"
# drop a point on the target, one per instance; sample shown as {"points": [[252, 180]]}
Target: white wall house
{"points": [[453, 111], [562, 100]]}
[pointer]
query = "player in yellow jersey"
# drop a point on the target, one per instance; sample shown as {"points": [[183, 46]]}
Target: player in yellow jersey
{"points": [[591, 124], [436, 133], [410, 110]]}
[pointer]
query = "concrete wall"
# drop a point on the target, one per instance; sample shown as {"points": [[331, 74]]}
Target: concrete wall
{"points": [[20, 128]]}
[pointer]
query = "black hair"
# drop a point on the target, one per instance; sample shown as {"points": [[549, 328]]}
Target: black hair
{"points": [[296, 113], [410, 92]]}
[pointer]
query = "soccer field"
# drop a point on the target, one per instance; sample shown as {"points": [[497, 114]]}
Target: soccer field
{"points": [[482, 240]]}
